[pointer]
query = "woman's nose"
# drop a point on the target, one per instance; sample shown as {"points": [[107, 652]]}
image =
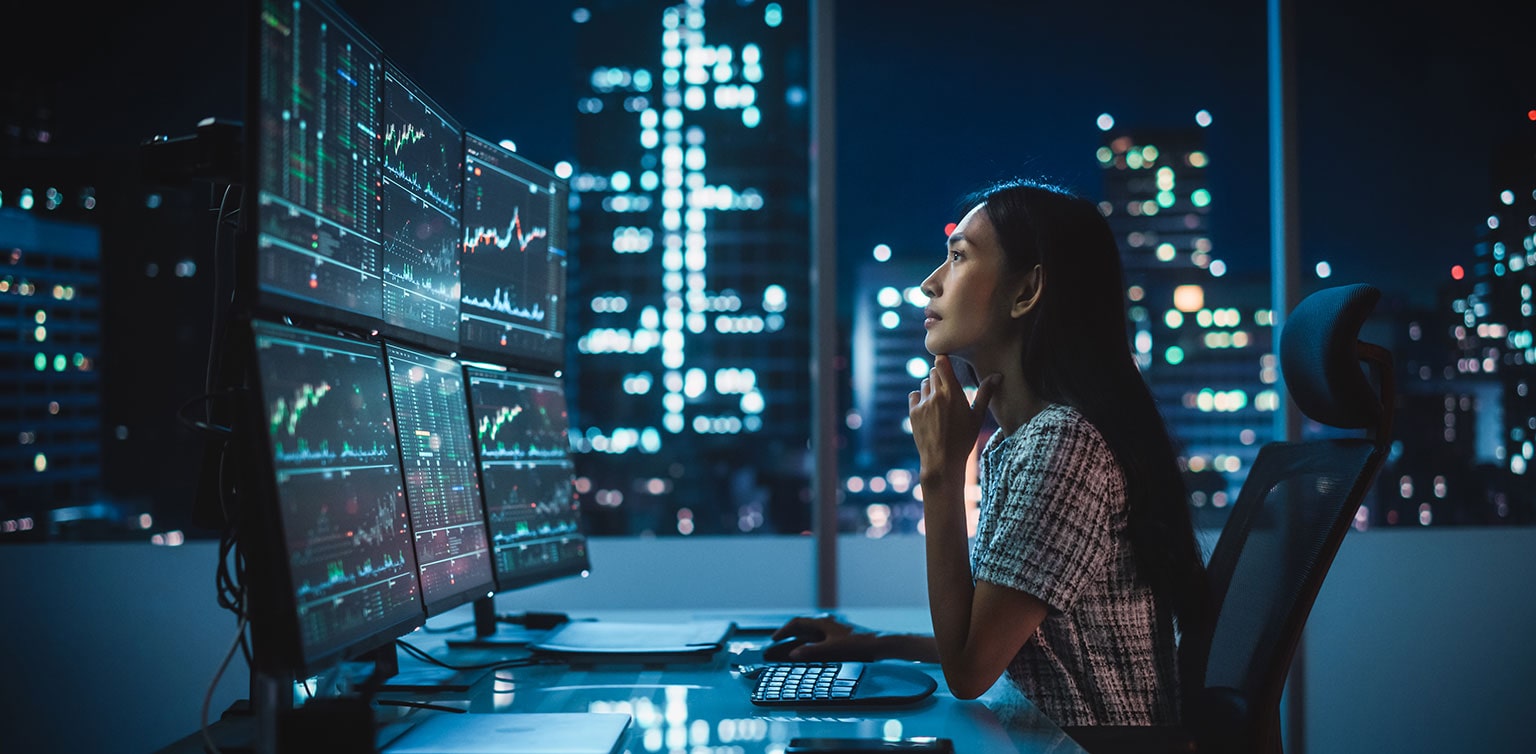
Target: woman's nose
{"points": [[929, 286]]}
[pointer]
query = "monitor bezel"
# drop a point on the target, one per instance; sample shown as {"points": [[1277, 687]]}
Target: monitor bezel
{"points": [[560, 203], [275, 591], [465, 595], [575, 568]]}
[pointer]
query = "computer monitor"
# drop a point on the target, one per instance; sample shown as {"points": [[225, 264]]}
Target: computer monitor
{"points": [[337, 566], [512, 310], [423, 176], [314, 99], [523, 446], [442, 489]]}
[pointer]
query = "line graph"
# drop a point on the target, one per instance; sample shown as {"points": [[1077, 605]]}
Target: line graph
{"points": [[419, 258], [421, 149], [346, 531], [513, 263], [405, 135], [494, 237], [501, 301]]}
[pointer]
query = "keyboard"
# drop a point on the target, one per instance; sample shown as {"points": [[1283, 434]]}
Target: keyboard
{"points": [[840, 684]]}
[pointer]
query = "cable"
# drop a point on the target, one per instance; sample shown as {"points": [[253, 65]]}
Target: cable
{"points": [[208, 743], [213, 321], [230, 587], [215, 338], [204, 426]]}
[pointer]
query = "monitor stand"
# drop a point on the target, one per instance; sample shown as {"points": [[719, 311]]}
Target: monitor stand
{"points": [[489, 633], [420, 676]]}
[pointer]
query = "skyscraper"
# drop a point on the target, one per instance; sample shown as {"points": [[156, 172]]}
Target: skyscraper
{"points": [[1203, 339], [690, 277], [50, 292], [887, 360], [1508, 254], [1467, 419]]}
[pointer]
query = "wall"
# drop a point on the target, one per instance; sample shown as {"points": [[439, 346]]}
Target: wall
{"points": [[1419, 641], [1424, 641]]}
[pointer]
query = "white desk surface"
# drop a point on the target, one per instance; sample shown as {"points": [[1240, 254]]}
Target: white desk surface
{"points": [[686, 706], [703, 707]]}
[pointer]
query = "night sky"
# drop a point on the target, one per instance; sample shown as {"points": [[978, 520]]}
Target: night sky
{"points": [[1399, 115]]}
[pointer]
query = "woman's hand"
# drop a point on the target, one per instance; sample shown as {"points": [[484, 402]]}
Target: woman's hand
{"points": [[828, 639], [944, 423]]}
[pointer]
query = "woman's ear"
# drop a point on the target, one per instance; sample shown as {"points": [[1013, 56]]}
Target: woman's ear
{"points": [[1029, 292]]}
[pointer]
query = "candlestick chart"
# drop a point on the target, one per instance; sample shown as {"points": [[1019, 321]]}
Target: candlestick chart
{"points": [[526, 472], [341, 506]]}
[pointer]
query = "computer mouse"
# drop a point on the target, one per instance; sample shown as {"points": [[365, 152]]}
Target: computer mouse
{"points": [[779, 650]]}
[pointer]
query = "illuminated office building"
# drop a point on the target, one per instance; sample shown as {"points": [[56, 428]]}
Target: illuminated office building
{"points": [[1478, 411], [1203, 339], [115, 457], [690, 298], [887, 360], [50, 301], [1443, 465], [1508, 251]]}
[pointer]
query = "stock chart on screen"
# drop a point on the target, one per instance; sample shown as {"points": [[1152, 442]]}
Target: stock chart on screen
{"points": [[441, 489], [318, 94], [336, 465], [423, 169], [521, 429], [514, 260]]}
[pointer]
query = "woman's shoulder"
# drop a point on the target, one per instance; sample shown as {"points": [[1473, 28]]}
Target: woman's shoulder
{"points": [[1060, 428], [1060, 418]]}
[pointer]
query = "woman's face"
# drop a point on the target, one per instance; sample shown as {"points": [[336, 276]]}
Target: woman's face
{"points": [[968, 310]]}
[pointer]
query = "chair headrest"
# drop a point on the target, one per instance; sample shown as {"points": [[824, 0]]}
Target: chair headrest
{"points": [[1320, 360]]}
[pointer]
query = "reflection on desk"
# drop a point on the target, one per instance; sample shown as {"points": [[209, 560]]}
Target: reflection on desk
{"points": [[704, 707]]}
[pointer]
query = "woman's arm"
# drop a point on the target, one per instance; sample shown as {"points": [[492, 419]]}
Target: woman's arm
{"points": [[977, 629]]}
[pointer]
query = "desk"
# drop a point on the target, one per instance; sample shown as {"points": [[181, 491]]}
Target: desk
{"points": [[701, 707]]}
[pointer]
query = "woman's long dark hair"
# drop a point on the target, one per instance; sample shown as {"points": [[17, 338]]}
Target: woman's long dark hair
{"points": [[1076, 352]]}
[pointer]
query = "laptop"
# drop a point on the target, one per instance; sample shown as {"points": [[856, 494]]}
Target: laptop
{"points": [[515, 733]]}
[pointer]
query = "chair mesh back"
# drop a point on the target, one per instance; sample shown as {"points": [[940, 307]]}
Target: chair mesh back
{"points": [[1294, 509]]}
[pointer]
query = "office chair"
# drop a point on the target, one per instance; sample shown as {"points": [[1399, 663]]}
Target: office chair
{"points": [[1290, 517]]}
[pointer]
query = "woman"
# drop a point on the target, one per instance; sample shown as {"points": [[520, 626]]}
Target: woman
{"points": [[1084, 555]]}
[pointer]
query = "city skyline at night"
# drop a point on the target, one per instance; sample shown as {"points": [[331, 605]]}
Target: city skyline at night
{"points": [[1395, 172]]}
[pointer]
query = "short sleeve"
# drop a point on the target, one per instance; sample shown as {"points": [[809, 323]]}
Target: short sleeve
{"points": [[1051, 523]]}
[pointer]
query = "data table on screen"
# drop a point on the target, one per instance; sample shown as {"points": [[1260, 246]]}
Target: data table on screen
{"points": [[442, 489]]}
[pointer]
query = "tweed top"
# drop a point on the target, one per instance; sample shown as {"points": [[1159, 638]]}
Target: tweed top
{"points": [[1053, 523]]}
